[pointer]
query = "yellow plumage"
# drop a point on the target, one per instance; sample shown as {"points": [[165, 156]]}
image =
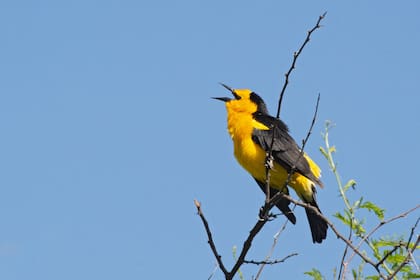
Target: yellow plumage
{"points": [[251, 128]]}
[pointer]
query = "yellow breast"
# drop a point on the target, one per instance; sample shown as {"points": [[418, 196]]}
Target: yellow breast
{"points": [[252, 157]]}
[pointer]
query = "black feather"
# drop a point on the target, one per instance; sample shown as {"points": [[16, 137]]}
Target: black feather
{"points": [[283, 204], [317, 224], [285, 151]]}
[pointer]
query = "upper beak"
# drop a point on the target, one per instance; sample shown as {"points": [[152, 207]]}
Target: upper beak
{"points": [[227, 87], [226, 99]]}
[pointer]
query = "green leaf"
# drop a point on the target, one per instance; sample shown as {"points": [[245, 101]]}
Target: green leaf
{"points": [[315, 274], [343, 219], [234, 250], [371, 207], [354, 272], [395, 259], [412, 275], [373, 277], [385, 243], [350, 184], [357, 203], [406, 268], [358, 228]]}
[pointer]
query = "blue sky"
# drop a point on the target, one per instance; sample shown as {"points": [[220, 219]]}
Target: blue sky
{"points": [[109, 133]]}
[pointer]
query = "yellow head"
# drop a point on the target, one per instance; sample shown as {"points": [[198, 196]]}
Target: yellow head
{"points": [[244, 101], [241, 112]]}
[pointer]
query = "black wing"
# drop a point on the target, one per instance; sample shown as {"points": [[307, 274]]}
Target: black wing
{"points": [[285, 150]]}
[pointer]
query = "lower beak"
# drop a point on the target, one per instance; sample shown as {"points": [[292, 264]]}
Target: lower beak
{"points": [[224, 99]]}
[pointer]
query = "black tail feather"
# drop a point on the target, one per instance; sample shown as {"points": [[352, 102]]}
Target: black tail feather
{"points": [[317, 224]]}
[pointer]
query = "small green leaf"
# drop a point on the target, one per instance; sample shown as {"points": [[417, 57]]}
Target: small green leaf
{"points": [[350, 184], [358, 228], [412, 275], [373, 277], [343, 219], [323, 152], [357, 203], [315, 274], [379, 212], [385, 243], [354, 272], [234, 250], [395, 259], [406, 268]]}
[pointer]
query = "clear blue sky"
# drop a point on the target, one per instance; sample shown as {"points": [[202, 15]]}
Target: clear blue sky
{"points": [[108, 131]]}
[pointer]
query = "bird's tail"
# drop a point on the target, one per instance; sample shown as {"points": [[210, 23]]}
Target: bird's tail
{"points": [[316, 223]]}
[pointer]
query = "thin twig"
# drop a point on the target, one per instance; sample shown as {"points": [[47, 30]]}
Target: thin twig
{"points": [[343, 264], [277, 196], [296, 54], [389, 253], [412, 233], [214, 271], [268, 166], [405, 262], [210, 238], [275, 239], [247, 245], [270, 262], [295, 57], [413, 260]]}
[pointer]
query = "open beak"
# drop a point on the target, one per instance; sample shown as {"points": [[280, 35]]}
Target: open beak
{"points": [[227, 87], [226, 99]]}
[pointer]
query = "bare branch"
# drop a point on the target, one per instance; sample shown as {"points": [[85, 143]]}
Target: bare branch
{"points": [[247, 245], [270, 262], [275, 239], [343, 265], [412, 232], [216, 266], [210, 237], [295, 57], [269, 158]]}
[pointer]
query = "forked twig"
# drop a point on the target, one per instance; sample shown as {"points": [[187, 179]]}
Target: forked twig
{"points": [[295, 57]]}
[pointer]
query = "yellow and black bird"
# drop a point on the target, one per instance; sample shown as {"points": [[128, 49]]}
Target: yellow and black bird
{"points": [[251, 129]]}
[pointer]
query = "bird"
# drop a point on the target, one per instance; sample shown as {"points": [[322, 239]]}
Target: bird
{"points": [[254, 132]]}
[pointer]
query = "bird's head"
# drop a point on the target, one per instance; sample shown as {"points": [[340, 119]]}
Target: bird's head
{"points": [[244, 100]]}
